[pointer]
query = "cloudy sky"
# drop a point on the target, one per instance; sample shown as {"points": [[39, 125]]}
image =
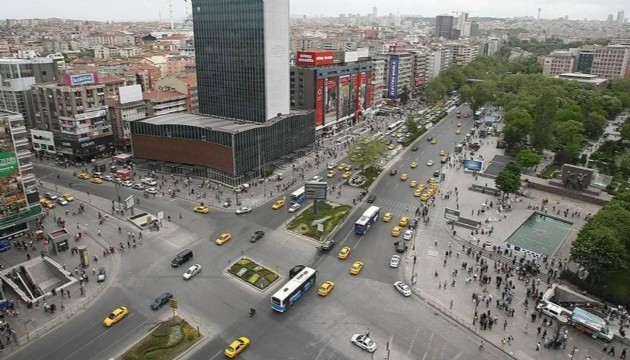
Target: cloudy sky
{"points": [[119, 10]]}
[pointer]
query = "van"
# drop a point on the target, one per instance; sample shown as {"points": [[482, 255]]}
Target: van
{"points": [[182, 257], [556, 312]]}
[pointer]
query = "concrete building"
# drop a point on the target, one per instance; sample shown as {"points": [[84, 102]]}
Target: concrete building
{"points": [[19, 199], [612, 61], [242, 62], [584, 79], [16, 78], [75, 111], [620, 17], [584, 56], [164, 101], [378, 80], [186, 85], [121, 115], [444, 26], [558, 62]]}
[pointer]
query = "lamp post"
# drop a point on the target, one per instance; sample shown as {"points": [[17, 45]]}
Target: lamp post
{"points": [[575, 349]]}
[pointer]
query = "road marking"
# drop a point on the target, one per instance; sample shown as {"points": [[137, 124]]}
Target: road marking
{"points": [[428, 347], [358, 242], [415, 336], [215, 355]]}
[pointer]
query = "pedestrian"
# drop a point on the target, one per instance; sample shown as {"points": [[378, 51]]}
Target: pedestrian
{"points": [[504, 324], [539, 330], [481, 345], [451, 307], [544, 334], [623, 353], [99, 232], [538, 346], [611, 351]]}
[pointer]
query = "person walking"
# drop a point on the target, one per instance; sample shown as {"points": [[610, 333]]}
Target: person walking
{"points": [[611, 351], [539, 330], [504, 324], [538, 346], [481, 345], [544, 334], [623, 353]]}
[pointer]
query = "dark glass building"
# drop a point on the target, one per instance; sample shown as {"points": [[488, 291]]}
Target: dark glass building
{"points": [[242, 57]]}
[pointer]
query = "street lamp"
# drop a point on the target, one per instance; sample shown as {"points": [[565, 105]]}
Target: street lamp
{"points": [[575, 349]]}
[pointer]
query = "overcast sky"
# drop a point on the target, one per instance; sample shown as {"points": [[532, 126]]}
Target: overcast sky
{"points": [[119, 10]]}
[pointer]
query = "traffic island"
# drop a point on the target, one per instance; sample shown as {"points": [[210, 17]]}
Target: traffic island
{"points": [[167, 341], [253, 274], [319, 226]]}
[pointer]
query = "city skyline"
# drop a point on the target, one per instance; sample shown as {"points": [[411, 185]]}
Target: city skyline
{"points": [[137, 10]]}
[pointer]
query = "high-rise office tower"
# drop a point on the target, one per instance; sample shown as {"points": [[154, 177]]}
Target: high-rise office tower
{"points": [[374, 12], [242, 55], [620, 17], [461, 20], [610, 19], [444, 26]]}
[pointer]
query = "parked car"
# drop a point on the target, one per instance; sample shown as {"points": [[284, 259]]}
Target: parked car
{"points": [[394, 261], [151, 190], [127, 183], [401, 247], [138, 186]]}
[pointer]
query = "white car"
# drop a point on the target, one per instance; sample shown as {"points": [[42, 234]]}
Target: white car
{"points": [[127, 183], [192, 271], [108, 178], [150, 182], [331, 166], [243, 210], [151, 190], [316, 179], [402, 288], [408, 235], [430, 163], [294, 207], [147, 180], [138, 186], [61, 201], [364, 342], [394, 261]]}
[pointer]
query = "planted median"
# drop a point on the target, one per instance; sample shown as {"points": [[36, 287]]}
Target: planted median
{"points": [[319, 226], [252, 273], [167, 341]]}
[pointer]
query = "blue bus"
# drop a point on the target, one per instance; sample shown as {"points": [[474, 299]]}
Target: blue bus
{"points": [[293, 290], [365, 222], [298, 196]]}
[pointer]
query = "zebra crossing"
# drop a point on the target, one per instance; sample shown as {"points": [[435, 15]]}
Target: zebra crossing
{"points": [[396, 207]]}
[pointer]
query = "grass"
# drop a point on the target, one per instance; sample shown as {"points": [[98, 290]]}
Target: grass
{"points": [[549, 171], [333, 213], [255, 275], [166, 342]]}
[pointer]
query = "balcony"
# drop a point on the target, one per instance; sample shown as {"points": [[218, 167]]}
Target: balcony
{"points": [[23, 154]]}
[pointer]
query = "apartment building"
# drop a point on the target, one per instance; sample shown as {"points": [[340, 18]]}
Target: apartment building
{"points": [[186, 85], [558, 62], [164, 101]]}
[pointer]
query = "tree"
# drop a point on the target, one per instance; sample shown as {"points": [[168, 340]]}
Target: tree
{"points": [[594, 125], [625, 130], [528, 158], [366, 152], [570, 133], [508, 181], [404, 95], [412, 126], [599, 251], [544, 113]]}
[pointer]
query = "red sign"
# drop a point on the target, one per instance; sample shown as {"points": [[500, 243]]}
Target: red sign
{"points": [[420, 81], [368, 100], [319, 102], [315, 58], [357, 93]]}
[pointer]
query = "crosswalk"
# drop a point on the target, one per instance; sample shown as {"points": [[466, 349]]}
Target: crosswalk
{"points": [[396, 207]]}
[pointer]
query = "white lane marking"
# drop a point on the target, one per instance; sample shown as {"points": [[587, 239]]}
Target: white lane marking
{"points": [[415, 336], [428, 347], [215, 355], [358, 242]]}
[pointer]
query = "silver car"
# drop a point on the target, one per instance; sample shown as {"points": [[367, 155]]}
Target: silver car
{"points": [[394, 261], [192, 271], [364, 342], [408, 235], [243, 210], [403, 288], [294, 207]]}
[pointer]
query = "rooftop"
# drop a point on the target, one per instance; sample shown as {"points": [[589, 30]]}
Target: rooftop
{"points": [[162, 95], [231, 126]]}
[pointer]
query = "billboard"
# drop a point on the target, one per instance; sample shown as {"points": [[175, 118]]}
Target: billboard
{"points": [[362, 98], [357, 91], [392, 77], [344, 95], [319, 102], [43, 141], [12, 196], [80, 79], [370, 88], [316, 190], [130, 93], [350, 56], [473, 165], [315, 58], [420, 81], [331, 97]]}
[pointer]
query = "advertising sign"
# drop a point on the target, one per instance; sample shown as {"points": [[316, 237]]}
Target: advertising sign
{"points": [[370, 88], [316, 190], [12, 197], [473, 165], [80, 79], [319, 102], [350, 56], [315, 58], [451, 214], [392, 77], [358, 92], [331, 97], [43, 140], [130, 93], [363, 94], [344, 95], [8, 163]]}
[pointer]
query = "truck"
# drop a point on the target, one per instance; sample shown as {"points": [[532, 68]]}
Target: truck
{"points": [[591, 324]]}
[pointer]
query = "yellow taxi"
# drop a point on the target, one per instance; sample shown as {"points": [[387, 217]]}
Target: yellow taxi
{"points": [[442, 152], [413, 183], [417, 192], [116, 315], [403, 221], [434, 141], [431, 191], [278, 204], [391, 146], [425, 197], [326, 288], [341, 166], [68, 197], [344, 253], [413, 165], [388, 217], [434, 186], [396, 231], [84, 176], [223, 238], [201, 209], [459, 124], [432, 181], [420, 187], [331, 173], [46, 203], [356, 267], [404, 177], [347, 174], [236, 347], [96, 181]]}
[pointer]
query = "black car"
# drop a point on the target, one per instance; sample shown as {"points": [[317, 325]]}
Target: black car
{"points": [[393, 172], [401, 247], [430, 138], [414, 148], [296, 270], [161, 300], [327, 245], [371, 199], [436, 173], [413, 223], [257, 236]]}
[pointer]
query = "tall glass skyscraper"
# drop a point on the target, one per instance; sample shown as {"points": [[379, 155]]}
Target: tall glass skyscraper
{"points": [[242, 55]]}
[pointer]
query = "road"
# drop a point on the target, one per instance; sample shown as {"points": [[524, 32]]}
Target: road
{"points": [[315, 328]]}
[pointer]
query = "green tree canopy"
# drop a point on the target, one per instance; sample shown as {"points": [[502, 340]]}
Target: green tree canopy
{"points": [[528, 158], [366, 152], [508, 181], [599, 251], [625, 130]]}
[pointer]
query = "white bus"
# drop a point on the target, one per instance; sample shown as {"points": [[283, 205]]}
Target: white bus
{"points": [[293, 290], [365, 222], [298, 196], [395, 125]]}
